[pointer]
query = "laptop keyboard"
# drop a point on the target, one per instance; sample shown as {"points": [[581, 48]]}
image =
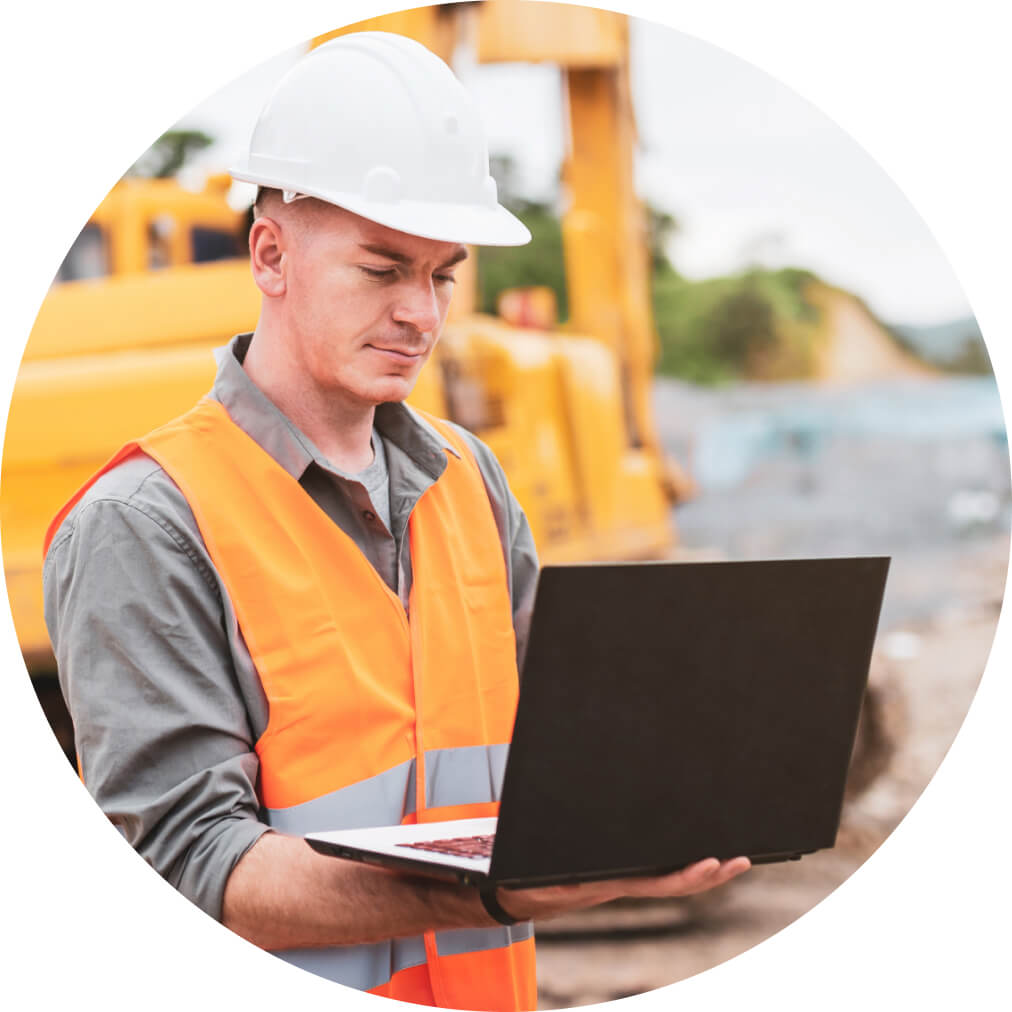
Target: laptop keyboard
{"points": [[459, 846]]}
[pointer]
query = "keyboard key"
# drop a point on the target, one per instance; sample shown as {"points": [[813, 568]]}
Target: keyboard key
{"points": [[459, 846]]}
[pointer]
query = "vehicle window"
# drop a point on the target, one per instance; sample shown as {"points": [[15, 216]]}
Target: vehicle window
{"points": [[88, 257], [213, 244], [160, 241]]}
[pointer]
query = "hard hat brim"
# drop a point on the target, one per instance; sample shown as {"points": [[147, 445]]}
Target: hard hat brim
{"points": [[445, 222]]}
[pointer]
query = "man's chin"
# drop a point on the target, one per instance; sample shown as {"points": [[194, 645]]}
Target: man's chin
{"points": [[391, 391]]}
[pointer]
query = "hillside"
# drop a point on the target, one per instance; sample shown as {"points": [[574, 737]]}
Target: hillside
{"points": [[853, 345], [955, 345], [786, 324]]}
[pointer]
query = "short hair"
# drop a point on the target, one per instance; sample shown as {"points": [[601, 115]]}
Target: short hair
{"points": [[265, 194]]}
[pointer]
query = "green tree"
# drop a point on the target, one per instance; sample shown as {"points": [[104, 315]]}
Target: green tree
{"points": [[540, 262], [661, 226], [743, 325], [757, 323], [169, 153], [972, 357]]}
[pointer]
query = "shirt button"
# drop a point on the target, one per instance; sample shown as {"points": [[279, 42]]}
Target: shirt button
{"points": [[369, 515]]}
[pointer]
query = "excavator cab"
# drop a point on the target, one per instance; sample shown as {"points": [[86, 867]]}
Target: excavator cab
{"points": [[148, 224], [158, 278]]}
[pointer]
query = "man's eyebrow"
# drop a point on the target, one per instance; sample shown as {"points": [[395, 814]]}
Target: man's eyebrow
{"points": [[461, 254], [382, 251], [401, 258]]}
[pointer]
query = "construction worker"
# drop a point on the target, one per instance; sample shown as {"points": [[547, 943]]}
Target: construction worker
{"points": [[300, 606]]}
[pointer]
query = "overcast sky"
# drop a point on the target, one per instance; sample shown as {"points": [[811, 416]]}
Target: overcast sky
{"points": [[751, 171]]}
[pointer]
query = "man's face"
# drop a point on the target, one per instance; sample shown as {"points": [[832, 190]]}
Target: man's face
{"points": [[365, 304]]}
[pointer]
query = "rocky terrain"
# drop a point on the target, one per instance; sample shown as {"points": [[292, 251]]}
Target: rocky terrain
{"points": [[918, 472]]}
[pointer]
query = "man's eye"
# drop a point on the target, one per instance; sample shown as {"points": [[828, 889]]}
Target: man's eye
{"points": [[384, 273], [444, 279]]}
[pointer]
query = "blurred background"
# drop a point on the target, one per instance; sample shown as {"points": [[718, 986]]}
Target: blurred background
{"points": [[732, 337]]}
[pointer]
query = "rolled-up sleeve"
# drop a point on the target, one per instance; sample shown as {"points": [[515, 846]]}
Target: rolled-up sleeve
{"points": [[163, 736]]}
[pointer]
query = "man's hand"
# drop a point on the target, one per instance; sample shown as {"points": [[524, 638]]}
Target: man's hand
{"points": [[283, 895], [549, 901]]}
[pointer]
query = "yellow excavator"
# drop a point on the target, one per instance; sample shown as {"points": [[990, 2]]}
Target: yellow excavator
{"points": [[158, 278]]}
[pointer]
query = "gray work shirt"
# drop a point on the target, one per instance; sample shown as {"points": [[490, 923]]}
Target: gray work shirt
{"points": [[166, 703]]}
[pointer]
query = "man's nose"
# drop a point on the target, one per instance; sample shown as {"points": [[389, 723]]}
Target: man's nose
{"points": [[418, 306]]}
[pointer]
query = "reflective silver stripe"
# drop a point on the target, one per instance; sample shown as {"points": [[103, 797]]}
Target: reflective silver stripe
{"points": [[453, 776], [464, 776], [376, 801], [360, 966], [367, 966], [452, 943]]}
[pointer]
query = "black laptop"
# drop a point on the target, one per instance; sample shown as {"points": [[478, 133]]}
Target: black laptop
{"points": [[668, 712]]}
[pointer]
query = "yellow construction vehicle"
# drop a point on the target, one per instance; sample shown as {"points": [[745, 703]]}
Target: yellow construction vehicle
{"points": [[123, 340], [156, 280]]}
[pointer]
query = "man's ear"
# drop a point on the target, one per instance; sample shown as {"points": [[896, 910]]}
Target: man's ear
{"points": [[268, 256]]}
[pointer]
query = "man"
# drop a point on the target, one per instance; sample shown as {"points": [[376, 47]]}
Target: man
{"points": [[300, 605]]}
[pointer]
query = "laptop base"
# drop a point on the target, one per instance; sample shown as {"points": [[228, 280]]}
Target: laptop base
{"points": [[357, 845]]}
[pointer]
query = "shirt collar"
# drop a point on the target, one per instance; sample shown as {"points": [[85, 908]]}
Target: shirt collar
{"points": [[260, 418]]}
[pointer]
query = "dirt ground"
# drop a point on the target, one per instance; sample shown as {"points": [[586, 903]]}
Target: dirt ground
{"points": [[628, 948]]}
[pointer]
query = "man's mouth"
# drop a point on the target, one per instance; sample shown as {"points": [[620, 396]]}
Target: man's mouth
{"points": [[399, 354]]}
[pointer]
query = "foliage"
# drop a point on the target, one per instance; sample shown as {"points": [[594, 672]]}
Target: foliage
{"points": [[756, 324], [972, 358], [169, 153], [955, 346], [661, 226], [540, 262]]}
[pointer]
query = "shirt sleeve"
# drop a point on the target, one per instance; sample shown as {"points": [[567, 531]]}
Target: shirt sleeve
{"points": [[163, 736], [515, 534]]}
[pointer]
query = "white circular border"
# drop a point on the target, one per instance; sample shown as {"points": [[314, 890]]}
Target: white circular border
{"points": [[923, 87]]}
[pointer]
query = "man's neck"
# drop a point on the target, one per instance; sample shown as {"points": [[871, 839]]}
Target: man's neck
{"points": [[340, 427]]}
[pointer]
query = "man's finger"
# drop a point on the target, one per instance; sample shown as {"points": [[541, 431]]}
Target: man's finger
{"points": [[737, 865], [702, 875], [701, 871], [698, 872], [731, 869], [675, 883]]}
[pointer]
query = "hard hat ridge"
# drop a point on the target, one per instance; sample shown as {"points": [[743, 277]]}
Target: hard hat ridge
{"points": [[377, 124]]}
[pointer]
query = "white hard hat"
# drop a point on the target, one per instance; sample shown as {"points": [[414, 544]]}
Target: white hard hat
{"points": [[377, 124]]}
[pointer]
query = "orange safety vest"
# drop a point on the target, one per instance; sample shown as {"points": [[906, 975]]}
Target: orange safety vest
{"points": [[374, 719]]}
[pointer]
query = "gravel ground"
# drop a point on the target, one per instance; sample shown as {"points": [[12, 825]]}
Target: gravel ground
{"points": [[633, 948], [935, 497]]}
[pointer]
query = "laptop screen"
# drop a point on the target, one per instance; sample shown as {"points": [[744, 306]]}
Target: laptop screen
{"points": [[675, 711]]}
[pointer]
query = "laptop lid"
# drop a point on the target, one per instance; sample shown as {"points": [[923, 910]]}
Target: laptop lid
{"points": [[677, 711]]}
